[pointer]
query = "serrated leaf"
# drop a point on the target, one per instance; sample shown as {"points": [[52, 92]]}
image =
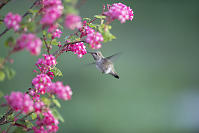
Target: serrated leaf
{"points": [[56, 72], [105, 31], [56, 102], [57, 115], [28, 124], [34, 116], [2, 76], [100, 16], [46, 101], [54, 42]]}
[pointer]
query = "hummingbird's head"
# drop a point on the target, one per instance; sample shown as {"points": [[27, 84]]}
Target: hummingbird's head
{"points": [[96, 55]]}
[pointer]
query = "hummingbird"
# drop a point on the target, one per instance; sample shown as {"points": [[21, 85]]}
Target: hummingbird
{"points": [[104, 64]]}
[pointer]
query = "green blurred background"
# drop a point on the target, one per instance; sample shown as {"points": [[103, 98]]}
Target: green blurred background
{"points": [[158, 91]]}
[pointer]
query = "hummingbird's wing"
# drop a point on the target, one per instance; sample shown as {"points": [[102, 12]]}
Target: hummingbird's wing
{"points": [[114, 56]]}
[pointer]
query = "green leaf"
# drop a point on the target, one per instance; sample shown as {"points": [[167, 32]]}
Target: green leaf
{"points": [[10, 73], [46, 101], [100, 16], [56, 102], [2, 76], [34, 116], [28, 124], [44, 33], [54, 42], [57, 115], [9, 41], [87, 19], [11, 117], [56, 72], [34, 12], [49, 36], [105, 31], [19, 130]]}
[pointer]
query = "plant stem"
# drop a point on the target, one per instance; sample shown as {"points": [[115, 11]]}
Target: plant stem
{"points": [[25, 14], [4, 3]]}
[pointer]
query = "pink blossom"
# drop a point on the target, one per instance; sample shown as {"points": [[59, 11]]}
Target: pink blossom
{"points": [[62, 92], [20, 102], [72, 21], [38, 105], [119, 11], [77, 48], [30, 42], [47, 124], [12, 21], [94, 40], [45, 64], [57, 33], [52, 10], [41, 83]]}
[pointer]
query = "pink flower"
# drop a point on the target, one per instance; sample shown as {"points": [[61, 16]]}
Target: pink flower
{"points": [[47, 124], [73, 21], [45, 64], [20, 102], [41, 83], [12, 21], [38, 105], [57, 33], [62, 92], [30, 42], [119, 11], [52, 10], [77, 48], [94, 40]]}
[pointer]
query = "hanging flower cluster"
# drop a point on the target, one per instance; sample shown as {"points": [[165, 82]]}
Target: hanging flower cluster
{"points": [[12, 21]]}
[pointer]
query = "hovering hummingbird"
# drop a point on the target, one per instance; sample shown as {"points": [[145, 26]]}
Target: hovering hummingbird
{"points": [[105, 65]]}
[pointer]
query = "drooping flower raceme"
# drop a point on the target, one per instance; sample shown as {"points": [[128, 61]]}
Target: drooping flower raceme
{"points": [[44, 64], [20, 102], [62, 92], [77, 48], [41, 83], [119, 11], [52, 10], [12, 21], [29, 41], [92, 37], [72, 21], [47, 124]]}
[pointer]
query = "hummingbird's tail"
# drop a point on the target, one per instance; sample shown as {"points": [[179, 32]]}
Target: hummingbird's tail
{"points": [[115, 75]]}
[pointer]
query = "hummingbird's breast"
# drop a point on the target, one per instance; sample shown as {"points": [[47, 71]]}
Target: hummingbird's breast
{"points": [[104, 66]]}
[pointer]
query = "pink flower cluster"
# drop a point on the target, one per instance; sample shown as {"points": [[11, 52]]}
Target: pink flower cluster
{"points": [[92, 37], [41, 83], [77, 48], [94, 40], [57, 33], [45, 64], [120, 11], [12, 21], [29, 41], [52, 10], [62, 92], [20, 102], [73, 21], [47, 124]]}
